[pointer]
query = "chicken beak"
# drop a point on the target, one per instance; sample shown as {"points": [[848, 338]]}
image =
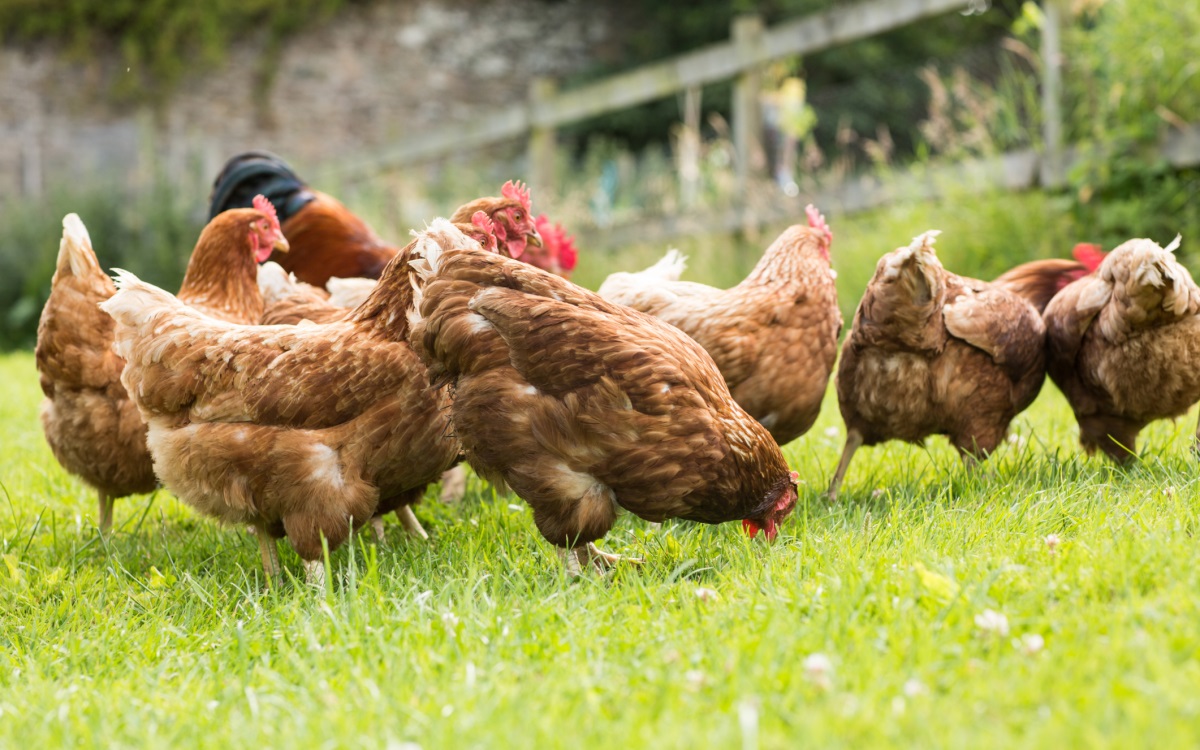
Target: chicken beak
{"points": [[281, 243], [533, 238]]}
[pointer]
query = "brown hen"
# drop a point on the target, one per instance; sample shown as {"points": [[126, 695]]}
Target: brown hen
{"points": [[933, 353], [773, 336], [583, 406], [301, 431], [1123, 345], [93, 429]]}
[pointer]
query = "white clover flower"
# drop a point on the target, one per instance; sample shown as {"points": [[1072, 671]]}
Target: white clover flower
{"points": [[1030, 644], [992, 623], [914, 687], [1052, 541], [818, 670], [706, 595]]}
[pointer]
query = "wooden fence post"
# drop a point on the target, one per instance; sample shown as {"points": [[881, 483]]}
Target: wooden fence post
{"points": [[541, 139], [689, 148], [747, 115], [1052, 167]]}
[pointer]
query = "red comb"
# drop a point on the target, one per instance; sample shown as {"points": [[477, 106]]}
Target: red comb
{"points": [[261, 203], [1089, 254], [516, 191], [483, 221], [560, 244], [817, 221]]}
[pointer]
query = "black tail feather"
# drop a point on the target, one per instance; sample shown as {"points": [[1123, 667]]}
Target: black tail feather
{"points": [[253, 173]]}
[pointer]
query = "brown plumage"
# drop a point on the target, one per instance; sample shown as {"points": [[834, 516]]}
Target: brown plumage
{"points": [[301, 431], [1039, 280], [91, 425], [290, 302], [933, 353], [582, 405], [773, 336], [1123, 345], [93, 429]]}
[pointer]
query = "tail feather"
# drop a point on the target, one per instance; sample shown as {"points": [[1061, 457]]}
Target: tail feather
{"points": [[1152, 278], [75, 255], [137, 300], [669, 268], [252, 173]]}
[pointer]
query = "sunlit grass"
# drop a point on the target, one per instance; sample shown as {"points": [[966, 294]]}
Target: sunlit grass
{"points": [[165, 636]]}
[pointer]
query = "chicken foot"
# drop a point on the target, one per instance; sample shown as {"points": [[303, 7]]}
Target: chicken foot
{"points": [[106, 512], [578, 559], [854, 441]]}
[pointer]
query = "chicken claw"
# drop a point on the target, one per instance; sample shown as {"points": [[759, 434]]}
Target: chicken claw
{"points": [[577, 559], [409, 520], [377, 527]]}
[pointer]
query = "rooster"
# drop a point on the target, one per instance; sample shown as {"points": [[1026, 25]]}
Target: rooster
{"points": [[1124, 345], [934, 353], [327, 239], [773, 336], [301, 431], [92, 426], [582, 406]]}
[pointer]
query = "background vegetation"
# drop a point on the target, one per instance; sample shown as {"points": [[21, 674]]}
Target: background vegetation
{"points": [[970, 87]]}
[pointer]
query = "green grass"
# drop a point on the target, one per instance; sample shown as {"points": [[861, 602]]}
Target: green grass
{"points": [[165, 636]]}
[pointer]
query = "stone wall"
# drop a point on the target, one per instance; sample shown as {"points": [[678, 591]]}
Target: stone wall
{"points": [[364, 80]]}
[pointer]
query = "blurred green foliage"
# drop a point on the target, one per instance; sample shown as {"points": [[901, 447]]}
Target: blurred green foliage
{"points": [[1131, 74], [150, 232], [860, 85]]}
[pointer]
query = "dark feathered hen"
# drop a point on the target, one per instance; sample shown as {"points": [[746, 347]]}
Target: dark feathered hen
{"points": [[583, 406], [1124, 345], [933, 353]]}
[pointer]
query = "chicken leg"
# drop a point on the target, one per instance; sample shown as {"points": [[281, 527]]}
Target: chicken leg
{"points": [[314, 573], [106, 512], [454, 485], [578, 559], [269, 550], [410, 523], [854, 441]]}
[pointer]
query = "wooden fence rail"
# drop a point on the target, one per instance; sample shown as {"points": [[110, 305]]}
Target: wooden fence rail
{"points": [[749, 49]]}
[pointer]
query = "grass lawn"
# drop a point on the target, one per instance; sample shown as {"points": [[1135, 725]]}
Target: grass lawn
{"points": [[866, 623]]}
